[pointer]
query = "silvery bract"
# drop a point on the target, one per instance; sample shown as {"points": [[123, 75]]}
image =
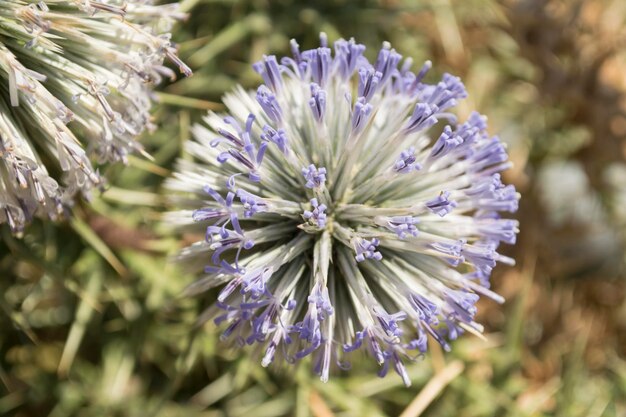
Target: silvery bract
{"points": [[340, 214], [75, 81]]}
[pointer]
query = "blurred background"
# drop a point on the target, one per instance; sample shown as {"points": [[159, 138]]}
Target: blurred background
{"points": [[91, 322]]}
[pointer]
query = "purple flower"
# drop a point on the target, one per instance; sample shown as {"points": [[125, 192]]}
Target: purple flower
{"points": [[407, 162], [316, 216], [315, 177], [270, 105], [441, 205], [243, 150], [366, 249], [385, 239], [317, 102]]}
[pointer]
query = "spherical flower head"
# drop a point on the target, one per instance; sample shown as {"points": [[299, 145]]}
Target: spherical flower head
{"points": [[77, 79], [380, 214]]}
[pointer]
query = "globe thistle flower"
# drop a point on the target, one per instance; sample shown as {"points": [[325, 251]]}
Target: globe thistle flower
{"points": [[344, 208], [75, 82]]}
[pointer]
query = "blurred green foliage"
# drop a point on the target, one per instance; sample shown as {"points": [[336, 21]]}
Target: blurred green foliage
{"points": [[91, 321]]}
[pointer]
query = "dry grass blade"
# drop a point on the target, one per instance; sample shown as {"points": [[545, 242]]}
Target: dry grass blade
{"points": [[84, 314], [98, 245], [194, 103], [319, 408], [433, 389]]}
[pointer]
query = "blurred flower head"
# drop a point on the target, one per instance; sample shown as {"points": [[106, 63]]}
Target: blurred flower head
{"points": [[344, 208], [75, 82]]}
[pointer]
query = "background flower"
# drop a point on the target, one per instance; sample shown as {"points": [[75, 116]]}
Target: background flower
{"points": [[76, 80]]}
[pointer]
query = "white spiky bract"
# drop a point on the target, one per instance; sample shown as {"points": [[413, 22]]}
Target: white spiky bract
{"points": [[75, 82], [338, 213]]}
